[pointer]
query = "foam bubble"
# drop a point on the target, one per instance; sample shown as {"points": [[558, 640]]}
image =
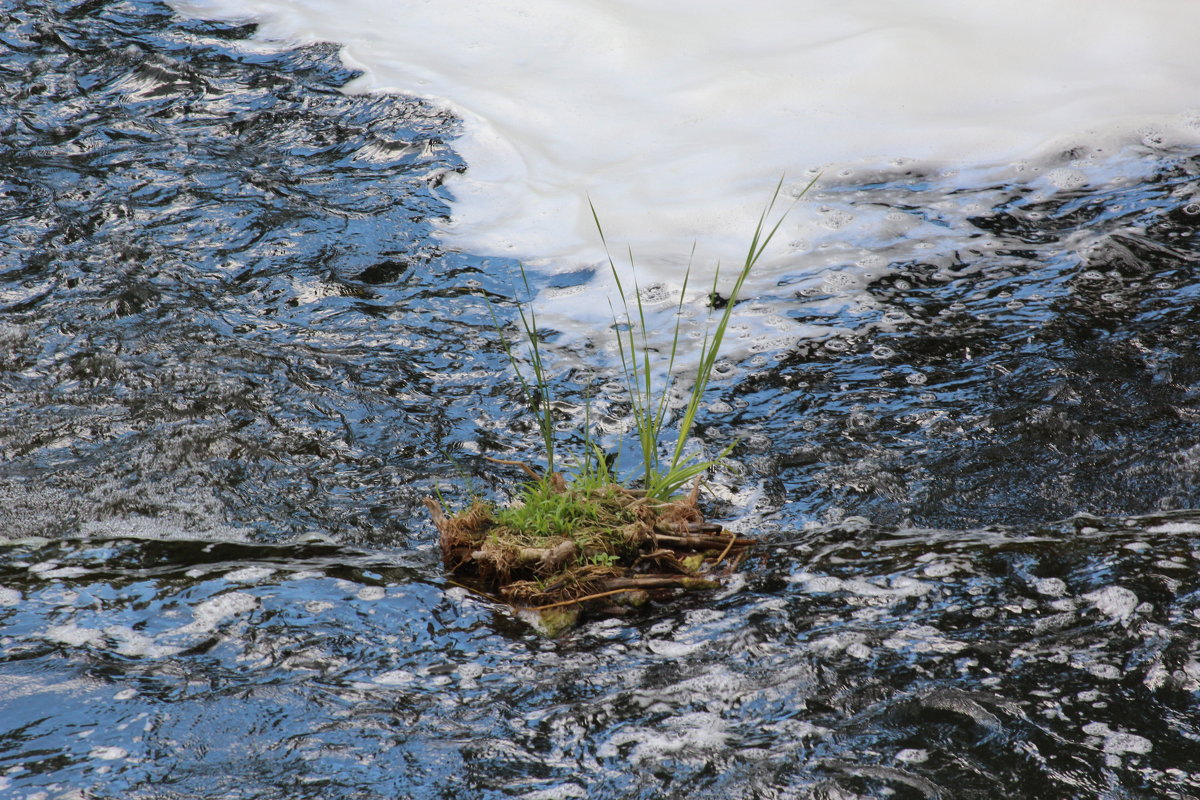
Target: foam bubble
{"points": [[1063, 178], [51, 569], [901, 586], [912, 756], [1113, 601], [1118, 742], [212, 612], [922, 639], [563, 791], [1051, 587], [168, 527], [681, 736], [249, 574], [371, 593], [74, 635], [940, 569], [1180, 528], [133, 643], [395, 677], [671, 649], [107, 753]]}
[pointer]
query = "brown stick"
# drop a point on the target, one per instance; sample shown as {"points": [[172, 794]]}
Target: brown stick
{"points": [[701, 542], [622, 585], [725, 552], [583, 599], [658, 582], [528, 469]]}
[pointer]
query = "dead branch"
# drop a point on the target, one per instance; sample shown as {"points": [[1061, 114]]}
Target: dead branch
{"points": [[530, 471]]}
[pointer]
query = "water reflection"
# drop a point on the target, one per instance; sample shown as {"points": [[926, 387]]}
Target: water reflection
{"points": [[232, 360], [1058, 662]]}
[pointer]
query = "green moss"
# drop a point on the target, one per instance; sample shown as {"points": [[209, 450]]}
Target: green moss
{"points": [[585, 511]]}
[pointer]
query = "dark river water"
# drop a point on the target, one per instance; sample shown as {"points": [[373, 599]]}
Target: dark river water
{"points": [[233, 359]]}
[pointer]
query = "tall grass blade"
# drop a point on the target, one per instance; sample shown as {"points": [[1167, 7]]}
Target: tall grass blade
{"points": [[649, 407], [536, 388], [649, 402]]}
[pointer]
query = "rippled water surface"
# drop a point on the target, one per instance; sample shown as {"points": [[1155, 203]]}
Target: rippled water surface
{"points": [[234, 358]]}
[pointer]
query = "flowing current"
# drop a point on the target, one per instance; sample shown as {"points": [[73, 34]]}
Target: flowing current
{"points": [[249, 260]]}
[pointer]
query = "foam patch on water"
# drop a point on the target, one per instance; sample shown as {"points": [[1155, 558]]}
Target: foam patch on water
{"points": [[51, 570], [395, 677], [74, 635], [682, 737], [901, 586], [1114, 601], [676, 118], [853, 643], [107, 753], [1050, 587], [1181, 528], [167, 528], [212, 612], [922, 639], [133, 643], [249, 574], [1118, 742]]}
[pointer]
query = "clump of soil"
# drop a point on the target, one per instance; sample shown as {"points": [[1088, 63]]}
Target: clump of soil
{"points": [[598, 549]]}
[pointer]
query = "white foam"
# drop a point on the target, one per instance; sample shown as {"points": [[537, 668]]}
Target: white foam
{"points": [[167, 528], [677, 737], [1182, 528], [563, 791], [371, 593], [51, 570], [215, 610], [671, 649], [249, 574], [132, 643], [1113, 601], [395, 677], [1051, 587], [901, 586], [677, 116], [1118, 742], [74, 635], [940, 569], [922, 639], [108, 753]]}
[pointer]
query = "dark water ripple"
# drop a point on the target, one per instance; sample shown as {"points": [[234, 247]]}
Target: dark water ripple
{"points": [[219, 290], [233, 358], [1058, 662], [1047, 365]]}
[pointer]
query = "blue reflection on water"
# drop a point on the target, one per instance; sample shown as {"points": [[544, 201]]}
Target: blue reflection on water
{"points": [[233, 360]]}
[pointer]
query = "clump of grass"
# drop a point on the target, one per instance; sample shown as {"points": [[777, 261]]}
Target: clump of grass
{"points": [[591, 538]]}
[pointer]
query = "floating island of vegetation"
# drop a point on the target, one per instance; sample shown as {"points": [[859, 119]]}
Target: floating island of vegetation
{"points": [[589, 543]]}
